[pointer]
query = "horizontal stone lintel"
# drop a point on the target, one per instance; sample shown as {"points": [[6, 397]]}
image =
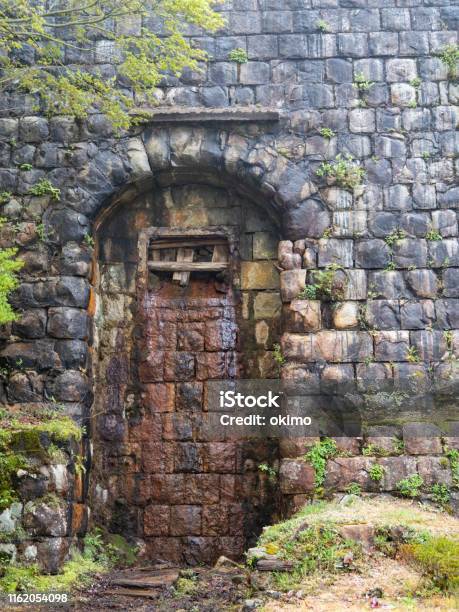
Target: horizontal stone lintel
{"points": [[175, 114]]}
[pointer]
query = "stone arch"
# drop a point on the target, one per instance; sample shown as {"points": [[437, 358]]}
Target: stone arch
{"points": [[157, 159]]}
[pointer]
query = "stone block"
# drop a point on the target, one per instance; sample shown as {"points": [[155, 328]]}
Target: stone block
{"points": [[372, 254], [31, 324], [308, 219], [383, 314], [296, 476], [422, 439], [292, 282], [391, 345], [346, 315], [335, 251], [451, 282], [445, 222], [156, 520], [159, 397], [303, 316], [259, 275], [395, 470], [430, 344], [423, 283], [342, 346], [400, 70], [362, 120], [355, 287], [69, 323], [410, 252], [299, 347], [383, 43], [264, 245], [342, 471], [352, 45], [402, 94], [267, 305], [417, 314], [185, 520], [433, 470]]}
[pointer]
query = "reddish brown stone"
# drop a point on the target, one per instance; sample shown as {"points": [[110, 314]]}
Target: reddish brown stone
{"points": [[342, 471], [158, 397], [178, 366], [191, 337], [185, 520], [198, 550], [214, 520], [232, 547], [295, 447], [236, 519], [188, 457], [202, 488], [433, 470], [396, 469], [168, 488], [211, 366], [348, 445], [422, 439], [177, 427], [220, 457], [189, 396], [161, 334], [221, 335], [296, 476], [227, 487], [156, 520], [151, 369], [158, 457], [164, 549], [148, 429]]}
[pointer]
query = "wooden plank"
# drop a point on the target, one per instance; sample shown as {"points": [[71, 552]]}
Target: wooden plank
{"points": [[197, 266], [197, 242], [220, 253], [274, 565], [183, 255]]}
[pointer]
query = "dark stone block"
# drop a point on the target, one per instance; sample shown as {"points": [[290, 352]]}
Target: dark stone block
{"points": [[372, 254], [73, 354], [308, 219], [68, 323], [68, 386], [31, 324]]}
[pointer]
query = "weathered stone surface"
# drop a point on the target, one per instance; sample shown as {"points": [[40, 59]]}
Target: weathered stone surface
{"points": [[391, 345], [292, 282], [308, 219], [346, 315], [422, 439], [267, 305], [303, 316], [296, 476], [259, 275], [68, 323]]}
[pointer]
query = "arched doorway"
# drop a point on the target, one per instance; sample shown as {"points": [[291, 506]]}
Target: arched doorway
{"points": [[160, 336]]}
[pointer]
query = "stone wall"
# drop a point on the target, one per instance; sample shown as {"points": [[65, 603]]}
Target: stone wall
{"points": [[395, 237]]}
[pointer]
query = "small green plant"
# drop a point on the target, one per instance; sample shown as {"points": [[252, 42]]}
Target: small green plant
{"points": [[441, 494], [412, 355], [376, 472], [318, 456], [41, 231], [267, 469], [437, 559], [413, 104], [309, 293], [25, 167], [394, 237], [5, 197], [390, 266], [343, 171], [353, 488], [88, 240], [326, 285], [425, 155], [328, 232], [410, 486], [327, 133], [322, 25], [373, 450], [361, 82], [433, 235], [416, 82], [453, 455], [238, 55], [45, 187], [278, 356], [449, 55]]}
